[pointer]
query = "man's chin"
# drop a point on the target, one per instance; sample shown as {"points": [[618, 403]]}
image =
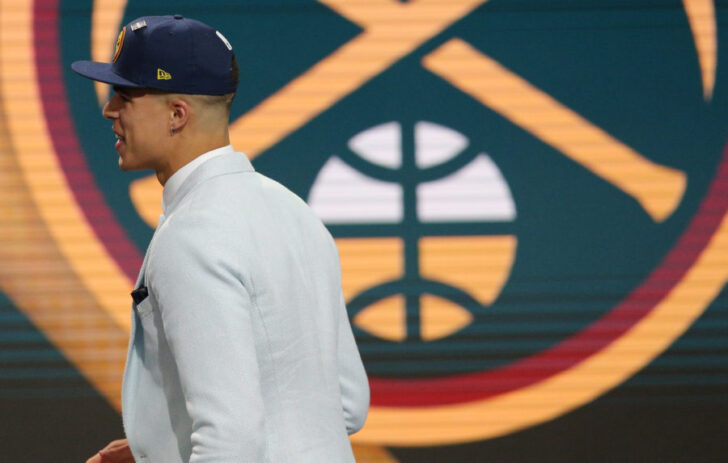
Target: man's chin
{"points": [[126, 166]]}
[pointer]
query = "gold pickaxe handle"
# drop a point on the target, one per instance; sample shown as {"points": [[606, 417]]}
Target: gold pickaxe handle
{"points": [[658, 189]]}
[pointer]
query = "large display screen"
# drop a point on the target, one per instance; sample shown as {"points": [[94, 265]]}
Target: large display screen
{"points": [[529, 198]]}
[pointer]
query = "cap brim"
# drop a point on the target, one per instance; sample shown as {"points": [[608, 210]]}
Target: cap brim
{"points": [[101, 72]]}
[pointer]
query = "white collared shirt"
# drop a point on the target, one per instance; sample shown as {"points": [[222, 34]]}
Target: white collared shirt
{"points": [[178, 178]]}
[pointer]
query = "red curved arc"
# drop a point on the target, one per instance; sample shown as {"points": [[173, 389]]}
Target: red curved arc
{"points": [[67, 148], [580, 346]]}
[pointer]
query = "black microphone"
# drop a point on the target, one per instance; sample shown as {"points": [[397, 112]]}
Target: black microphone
{"points": [[139, 294]]}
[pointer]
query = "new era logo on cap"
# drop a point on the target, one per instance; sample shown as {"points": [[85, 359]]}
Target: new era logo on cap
{"points": [[170, 53]]}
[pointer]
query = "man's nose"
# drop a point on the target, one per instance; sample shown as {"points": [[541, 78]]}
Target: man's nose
{"points": [[111, 108]]}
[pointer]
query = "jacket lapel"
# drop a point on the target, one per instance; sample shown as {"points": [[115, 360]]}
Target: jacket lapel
{"points": [[142, 271]]}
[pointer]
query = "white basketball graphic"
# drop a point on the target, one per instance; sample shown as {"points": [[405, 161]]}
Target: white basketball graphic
{"points": [[474, 193]]}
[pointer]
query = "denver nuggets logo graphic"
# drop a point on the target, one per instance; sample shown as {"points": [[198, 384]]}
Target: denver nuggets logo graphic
{"points": [[526, 216], [119, 44]]}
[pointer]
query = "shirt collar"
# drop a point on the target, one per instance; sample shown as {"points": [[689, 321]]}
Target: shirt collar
{"points": [[173, 184]]}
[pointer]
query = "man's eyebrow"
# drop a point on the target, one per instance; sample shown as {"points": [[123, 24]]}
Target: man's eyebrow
{"points": [[119, 89]]}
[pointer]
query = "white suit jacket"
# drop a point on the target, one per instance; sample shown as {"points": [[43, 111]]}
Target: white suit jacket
{"points": [[242, 351]]}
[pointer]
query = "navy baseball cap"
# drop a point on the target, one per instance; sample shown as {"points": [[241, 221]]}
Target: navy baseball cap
{"points": [[170, 53]]}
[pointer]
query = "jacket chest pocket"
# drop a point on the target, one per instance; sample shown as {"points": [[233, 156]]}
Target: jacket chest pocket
{"points": [[150, 321], [144, 308]]}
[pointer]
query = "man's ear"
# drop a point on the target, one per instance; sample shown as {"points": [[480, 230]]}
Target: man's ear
{"points": [[179, 114]]}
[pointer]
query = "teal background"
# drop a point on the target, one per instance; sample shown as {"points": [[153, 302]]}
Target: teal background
{"points": [[629, 67]]}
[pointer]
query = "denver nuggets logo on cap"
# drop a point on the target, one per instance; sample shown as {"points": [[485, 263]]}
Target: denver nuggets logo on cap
{"points": [[119, 44]]}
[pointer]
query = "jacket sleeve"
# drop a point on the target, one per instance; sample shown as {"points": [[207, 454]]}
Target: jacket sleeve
{"points": [[207, 314], [352, 377]]}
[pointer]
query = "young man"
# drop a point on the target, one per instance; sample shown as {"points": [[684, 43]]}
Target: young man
{"points": [[241, 348]]}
